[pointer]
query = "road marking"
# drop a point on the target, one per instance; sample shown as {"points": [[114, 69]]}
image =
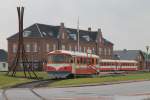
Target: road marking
{"points": [[64, 98], [37, 94], [4, 94]]}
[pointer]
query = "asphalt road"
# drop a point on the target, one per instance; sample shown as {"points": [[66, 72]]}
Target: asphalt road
{"points": [[124, 91]]}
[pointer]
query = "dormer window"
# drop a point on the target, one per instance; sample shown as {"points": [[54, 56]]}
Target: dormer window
{"points": [[86, 37], [50, 34], [26, 33], [44, 33], [73, 36]]}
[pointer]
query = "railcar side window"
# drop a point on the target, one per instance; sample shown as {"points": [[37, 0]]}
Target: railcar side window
{"points": [[71, 61], [92, 61], [78, 61]]}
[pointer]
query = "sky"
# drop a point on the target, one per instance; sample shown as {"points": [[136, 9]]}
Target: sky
{"points": [[126, 23]]}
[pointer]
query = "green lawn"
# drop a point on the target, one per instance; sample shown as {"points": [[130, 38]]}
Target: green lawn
{"points": [[7, 81], [41, 75], [100, 80]]}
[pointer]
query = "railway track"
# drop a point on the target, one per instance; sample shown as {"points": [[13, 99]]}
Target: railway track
{"points": [[30, 86], [35, 84]]}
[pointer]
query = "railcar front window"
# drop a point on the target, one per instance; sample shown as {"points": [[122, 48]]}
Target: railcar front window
{"points": [[59, 58]]}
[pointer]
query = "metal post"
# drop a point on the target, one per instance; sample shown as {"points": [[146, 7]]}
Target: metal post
{"points": [[147, 49], [20, 59], [78, 35]]}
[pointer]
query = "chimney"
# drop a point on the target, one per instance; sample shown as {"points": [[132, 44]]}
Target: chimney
{"points": [[89, 29], [62, 24], [99, 30]]}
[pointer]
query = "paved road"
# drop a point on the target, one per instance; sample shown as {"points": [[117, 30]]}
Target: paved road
{"points": [[124, 91]]}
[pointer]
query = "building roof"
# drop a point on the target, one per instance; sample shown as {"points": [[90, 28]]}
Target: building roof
{"points": [[3, 56], [126, 54], [42, 30]]}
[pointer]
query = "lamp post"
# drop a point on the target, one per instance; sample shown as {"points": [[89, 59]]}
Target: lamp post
{"points": [[147, 49]]}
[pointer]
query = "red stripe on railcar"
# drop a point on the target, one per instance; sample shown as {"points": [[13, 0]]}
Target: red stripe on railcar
{"points": [[85, 71], [64, 68]]}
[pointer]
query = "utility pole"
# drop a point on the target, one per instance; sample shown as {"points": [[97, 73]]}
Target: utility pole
{"points": [[147, 49], [78, 33]]}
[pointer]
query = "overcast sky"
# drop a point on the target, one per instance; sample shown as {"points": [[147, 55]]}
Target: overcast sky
{"points": [[126, 23]]}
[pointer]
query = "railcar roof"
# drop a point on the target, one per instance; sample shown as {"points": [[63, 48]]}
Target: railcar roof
{"points": [[109, 60], [73, 53]]}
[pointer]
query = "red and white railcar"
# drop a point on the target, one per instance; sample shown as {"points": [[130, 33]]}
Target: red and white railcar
{"points": [[62, 63], [121, 65]]}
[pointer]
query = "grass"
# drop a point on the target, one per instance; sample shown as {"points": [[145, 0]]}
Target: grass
{"points": [[100, 80], [40, 75], [7, 81]]}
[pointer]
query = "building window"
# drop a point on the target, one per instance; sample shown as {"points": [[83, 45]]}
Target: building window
{"points": [[100, 51], [47, 47], [63, 47], [84, 49], [89, 50], [75, 48], [14, 48], [80, 49], [93, 50], [4, 65], [54, 47], [70, 49], [27, 47], [35, 47], [105, 51], [63, 35], [109, 51]]}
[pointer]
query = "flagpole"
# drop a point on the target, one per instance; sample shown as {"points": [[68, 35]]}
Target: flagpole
{"points": [[78, 35]]}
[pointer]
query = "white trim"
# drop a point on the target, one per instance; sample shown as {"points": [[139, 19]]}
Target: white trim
{"points": [[74, 53], [127, 61], [39, 30]]}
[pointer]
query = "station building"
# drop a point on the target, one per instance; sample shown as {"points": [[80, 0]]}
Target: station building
{"points": [[39, 39]]}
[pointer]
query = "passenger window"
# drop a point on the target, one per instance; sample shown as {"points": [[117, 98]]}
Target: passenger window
{"points": [[78, 61], [81, 60], [71, 61], [92, 61]]}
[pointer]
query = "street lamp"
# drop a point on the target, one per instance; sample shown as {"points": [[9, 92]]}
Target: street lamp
{"points": [[147, 49]]}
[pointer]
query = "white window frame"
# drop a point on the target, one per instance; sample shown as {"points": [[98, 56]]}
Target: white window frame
{"points": [[63, 47], [14, 48], [75, 48], [93, 50], [63, 35], [47, 47], [35, 48], [84, 49], [70, 48], [54, 47], [28, 47]]}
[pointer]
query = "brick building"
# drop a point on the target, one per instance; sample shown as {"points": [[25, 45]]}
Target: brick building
{"points": [[39, 39], [130, 55]]}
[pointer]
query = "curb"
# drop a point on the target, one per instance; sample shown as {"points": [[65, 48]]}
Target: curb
{"points": [[101, 84]]}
